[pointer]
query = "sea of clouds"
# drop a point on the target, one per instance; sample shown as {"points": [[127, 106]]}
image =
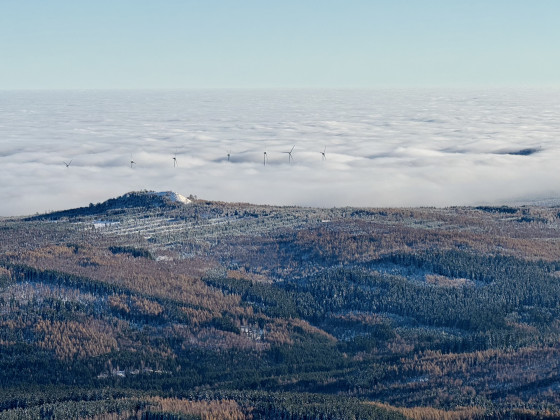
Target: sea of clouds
{"points": [[383, 147]]}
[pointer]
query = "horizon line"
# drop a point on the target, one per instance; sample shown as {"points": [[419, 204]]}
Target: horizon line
{"points": [[292, 88]]}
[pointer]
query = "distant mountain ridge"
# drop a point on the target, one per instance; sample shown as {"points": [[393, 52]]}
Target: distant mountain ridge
{"points": [[134, 199]]}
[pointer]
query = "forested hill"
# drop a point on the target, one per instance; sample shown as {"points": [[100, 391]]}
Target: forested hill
{"points": [[146, 306], [145, 200]]}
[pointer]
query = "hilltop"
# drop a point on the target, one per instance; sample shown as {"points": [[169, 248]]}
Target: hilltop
{"points": [[133, 200], [151, 304]]}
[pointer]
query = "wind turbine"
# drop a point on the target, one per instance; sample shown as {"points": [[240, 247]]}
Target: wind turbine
{"points": [[132, 161], [67, 164], [290, 158], [265, 157], [175, 160], [323, 153], [228, 155]]}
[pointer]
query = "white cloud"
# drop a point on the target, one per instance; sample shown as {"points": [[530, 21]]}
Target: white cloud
{"points": [[384, 148]]}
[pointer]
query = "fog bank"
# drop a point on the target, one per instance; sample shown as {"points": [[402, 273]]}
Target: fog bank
{"points": [[383, 147]]}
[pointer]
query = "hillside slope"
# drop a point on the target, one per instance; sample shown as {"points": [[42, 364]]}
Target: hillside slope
{"points": [[148, 306]]}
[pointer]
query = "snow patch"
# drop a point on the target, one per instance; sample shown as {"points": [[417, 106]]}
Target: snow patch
{"points": [[173, 196], [104, 223]]}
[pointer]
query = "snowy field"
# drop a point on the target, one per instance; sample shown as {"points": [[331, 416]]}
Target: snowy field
{"points": [[383, 147]]}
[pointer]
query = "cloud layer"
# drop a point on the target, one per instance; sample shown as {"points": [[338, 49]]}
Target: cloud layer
{"points": [[383, 148]]}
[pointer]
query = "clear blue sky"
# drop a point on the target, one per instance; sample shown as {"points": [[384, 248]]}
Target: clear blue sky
{"points": [[50, 44]]}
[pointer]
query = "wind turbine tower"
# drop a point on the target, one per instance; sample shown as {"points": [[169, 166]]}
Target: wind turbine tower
{"points": [[290, 157]]}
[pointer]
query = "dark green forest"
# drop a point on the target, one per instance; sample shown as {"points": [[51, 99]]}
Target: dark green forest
{"points": [[140, 307]]}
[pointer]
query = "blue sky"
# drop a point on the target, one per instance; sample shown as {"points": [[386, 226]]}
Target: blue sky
{"points": [[76, 44]]}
